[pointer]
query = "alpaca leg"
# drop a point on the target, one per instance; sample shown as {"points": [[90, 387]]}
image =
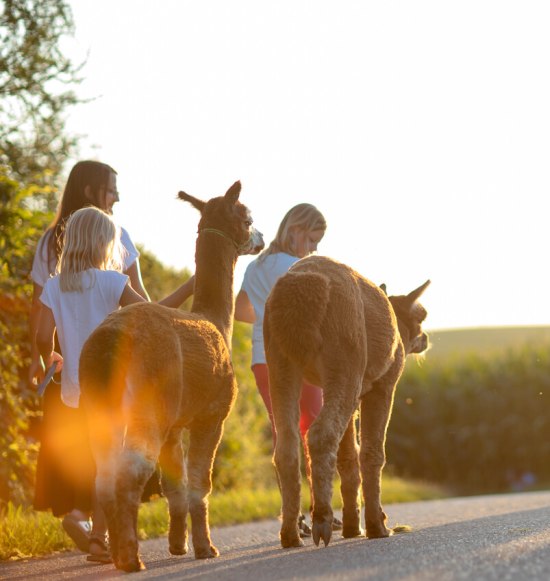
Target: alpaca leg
{"points": [[174, 486], [285, 383], [204, 440], [136, 465], [324, 438], [347, 463], [375, 416]]}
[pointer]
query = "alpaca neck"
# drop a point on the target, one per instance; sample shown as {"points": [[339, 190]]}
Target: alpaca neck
{"points": [[213, 295]]}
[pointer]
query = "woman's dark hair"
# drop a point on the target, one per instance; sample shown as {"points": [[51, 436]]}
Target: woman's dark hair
{"points": [[94, 174]]}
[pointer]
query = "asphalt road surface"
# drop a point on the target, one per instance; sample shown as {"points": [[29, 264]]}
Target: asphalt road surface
{"points": [[482, 538]]}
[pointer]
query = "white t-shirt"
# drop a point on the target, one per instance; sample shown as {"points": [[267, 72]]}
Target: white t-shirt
{"points": [[76, 315], [42, 270], [259, 278]]}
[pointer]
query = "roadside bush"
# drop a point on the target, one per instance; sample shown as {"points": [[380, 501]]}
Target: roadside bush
{"points": [[475, 424], [20, 228]]}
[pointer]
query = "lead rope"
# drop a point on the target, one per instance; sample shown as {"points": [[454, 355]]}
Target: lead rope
{"points": [[239, 247]]}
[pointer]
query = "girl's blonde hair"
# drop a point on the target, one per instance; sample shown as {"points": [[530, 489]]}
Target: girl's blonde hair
{"points": [[91, 240], [305, 217]]}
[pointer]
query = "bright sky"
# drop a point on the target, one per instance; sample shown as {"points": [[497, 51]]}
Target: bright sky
{"points": [[420, 129]]}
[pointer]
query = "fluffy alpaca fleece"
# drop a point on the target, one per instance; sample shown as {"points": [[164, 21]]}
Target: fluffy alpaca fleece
{"points": [[328, 324], [148, 372]]}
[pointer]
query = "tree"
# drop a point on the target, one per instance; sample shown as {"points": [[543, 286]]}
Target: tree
{"points": [[19, 230], [35, 77]]}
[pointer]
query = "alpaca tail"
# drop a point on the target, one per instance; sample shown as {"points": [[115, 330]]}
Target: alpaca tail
{"points": [[102, 371], [295, 312]]}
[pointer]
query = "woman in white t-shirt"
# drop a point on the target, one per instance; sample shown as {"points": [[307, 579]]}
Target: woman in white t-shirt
{"points": [[298, 235], [89, 286]]}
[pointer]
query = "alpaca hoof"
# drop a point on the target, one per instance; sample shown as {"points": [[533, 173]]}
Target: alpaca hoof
{"points": [[352, 532], [291, 542], [130, 566], [321, 530], [291, 536], [378, 531], [206, 553], [179, 549]]}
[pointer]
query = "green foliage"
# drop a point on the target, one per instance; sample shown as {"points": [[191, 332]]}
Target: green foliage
{"points": [[34, 94], [161, 280], [20, 229], [25, 533], [224, 508], [477, 424]]}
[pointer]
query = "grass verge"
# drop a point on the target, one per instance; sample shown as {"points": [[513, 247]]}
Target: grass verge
{"points": [[25, 533]]}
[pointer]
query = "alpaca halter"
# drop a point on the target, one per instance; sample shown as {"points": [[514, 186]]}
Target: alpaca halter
{"points": [[224, 235]]}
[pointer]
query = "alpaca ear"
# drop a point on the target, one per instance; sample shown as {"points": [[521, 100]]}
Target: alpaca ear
{"points": [[415, 294], [384, 289], [199, 204], [232, 194]]}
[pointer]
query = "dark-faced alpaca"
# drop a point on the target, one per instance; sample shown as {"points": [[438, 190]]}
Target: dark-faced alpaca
{"points": [[148, 372], [326, 323]]}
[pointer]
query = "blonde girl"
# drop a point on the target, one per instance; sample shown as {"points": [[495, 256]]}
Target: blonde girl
{"points": [[88, 286], [298, 235]]}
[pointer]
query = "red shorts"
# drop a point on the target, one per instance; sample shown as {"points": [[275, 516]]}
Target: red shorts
{"points": [[311, 400]]}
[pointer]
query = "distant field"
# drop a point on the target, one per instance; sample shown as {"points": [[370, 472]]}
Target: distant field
{"points": [[485, 341]]}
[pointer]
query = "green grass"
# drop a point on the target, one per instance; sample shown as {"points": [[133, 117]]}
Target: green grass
{"points": [[26, 533], [242, 506]]}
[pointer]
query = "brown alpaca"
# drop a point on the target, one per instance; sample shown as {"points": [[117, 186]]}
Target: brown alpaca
{"points": [[148, 371], [326, 323]]}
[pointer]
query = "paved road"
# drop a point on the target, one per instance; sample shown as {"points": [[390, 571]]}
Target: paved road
{"points": [[483, 538]]}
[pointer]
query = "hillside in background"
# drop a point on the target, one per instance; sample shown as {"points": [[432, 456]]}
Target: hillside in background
{"points": [[485, 341]]}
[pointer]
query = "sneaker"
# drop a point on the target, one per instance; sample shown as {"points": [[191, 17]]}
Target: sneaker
{"points": [[78, 530], [304, 528], [336, 524]]}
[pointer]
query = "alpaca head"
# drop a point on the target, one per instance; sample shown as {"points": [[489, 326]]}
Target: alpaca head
{"points": [[227, 217], [410, 316]]}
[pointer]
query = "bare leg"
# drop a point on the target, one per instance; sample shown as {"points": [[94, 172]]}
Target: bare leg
{"points": [[311, 403], [99, 521]]}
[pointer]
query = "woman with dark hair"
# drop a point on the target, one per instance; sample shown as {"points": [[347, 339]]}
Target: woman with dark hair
{"points": [[90, 183]]}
